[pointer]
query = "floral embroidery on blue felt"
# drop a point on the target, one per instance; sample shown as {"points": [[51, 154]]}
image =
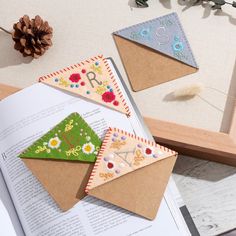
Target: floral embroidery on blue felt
{"points": [[178, 49], [145, 33], [177, 45]]}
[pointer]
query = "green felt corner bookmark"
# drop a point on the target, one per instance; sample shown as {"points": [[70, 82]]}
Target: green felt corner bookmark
{"points": [[72, 139]]}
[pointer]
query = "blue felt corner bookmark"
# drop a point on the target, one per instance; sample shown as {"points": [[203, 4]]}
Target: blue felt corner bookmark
{"points": [[163, 34]]}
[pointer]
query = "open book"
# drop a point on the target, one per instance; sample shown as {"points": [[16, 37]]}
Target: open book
{"points": [[26, 116]]}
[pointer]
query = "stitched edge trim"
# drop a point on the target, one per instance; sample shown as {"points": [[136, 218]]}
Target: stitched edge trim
{"points": [[92, 59], [48, 76], [108, 134], [99, 157], [119, 93]]}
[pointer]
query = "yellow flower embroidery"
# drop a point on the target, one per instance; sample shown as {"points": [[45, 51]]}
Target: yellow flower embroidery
{"points": [[73, 151], [138, 158], [106, 176], [69, 126], [102, 88], [54, 143], [97, 69], [42, 149], [88, 148], [63, 82], [117, 144]]}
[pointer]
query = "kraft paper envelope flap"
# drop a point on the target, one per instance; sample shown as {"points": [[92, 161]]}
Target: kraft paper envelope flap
{"points": [[59, 159], [64, 180], [131, 172], [155, 52], [91, 79]]}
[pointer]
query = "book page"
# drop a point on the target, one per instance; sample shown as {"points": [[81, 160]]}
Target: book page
{"points": [[6, 225], [25, 120], [9, 221]]}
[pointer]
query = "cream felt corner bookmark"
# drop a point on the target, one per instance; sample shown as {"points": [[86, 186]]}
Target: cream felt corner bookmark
{"points": [[131, 172], [92, 79]]}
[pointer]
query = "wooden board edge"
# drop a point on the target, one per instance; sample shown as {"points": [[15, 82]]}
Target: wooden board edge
{"points": [[200, 143], [213, 146], [232, 131], [6, 90]]}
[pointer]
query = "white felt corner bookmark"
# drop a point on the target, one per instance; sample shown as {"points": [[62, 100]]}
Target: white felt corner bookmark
{"points": [[92, 79]]}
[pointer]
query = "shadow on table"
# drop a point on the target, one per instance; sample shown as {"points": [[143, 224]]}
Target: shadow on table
{"points": [[202, 169], [132, 4], [9, 56], [229, 233], [207, 8]]}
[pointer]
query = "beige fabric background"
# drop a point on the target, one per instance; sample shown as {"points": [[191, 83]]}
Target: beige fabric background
{"points": [[83, 28]]}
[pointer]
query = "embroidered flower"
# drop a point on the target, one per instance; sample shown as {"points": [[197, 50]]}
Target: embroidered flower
{"points": [[178, 46], [108, 97], [115, 103], [54, 143], [145, 32], [88, 148], [110, 165], [75, 78], [148, 152], [88, 138]]}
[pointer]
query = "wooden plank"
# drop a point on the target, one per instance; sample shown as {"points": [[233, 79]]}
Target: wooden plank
{"points": [[195, 142], [186, 140], [6, 90], [232, 132]]}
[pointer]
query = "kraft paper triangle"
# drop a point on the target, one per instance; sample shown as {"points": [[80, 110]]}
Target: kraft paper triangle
{"points": [[91, 79], [72, 140], [63, 180], [131, 172], [155, 52]]}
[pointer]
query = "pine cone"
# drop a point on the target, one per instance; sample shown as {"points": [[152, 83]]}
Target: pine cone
{"points": [[32, 37], [141, 3]]}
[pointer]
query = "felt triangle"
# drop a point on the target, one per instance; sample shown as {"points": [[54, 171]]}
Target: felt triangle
{"points": [[92, 79], [163, 34], [122, 153], [140, 191], [72, 139]]}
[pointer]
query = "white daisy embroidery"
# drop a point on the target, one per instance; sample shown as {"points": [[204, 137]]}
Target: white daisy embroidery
{"points": [[88, 148], [54, 143]]}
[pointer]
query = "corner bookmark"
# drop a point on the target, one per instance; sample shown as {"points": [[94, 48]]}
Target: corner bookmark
{"points": [[163, 34], [122, 153], [72, 140], [92, 79]]}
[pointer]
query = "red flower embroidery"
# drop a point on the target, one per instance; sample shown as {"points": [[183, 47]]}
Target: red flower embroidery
{"points": [[74, 78], [108, 97], [115, 103]]}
